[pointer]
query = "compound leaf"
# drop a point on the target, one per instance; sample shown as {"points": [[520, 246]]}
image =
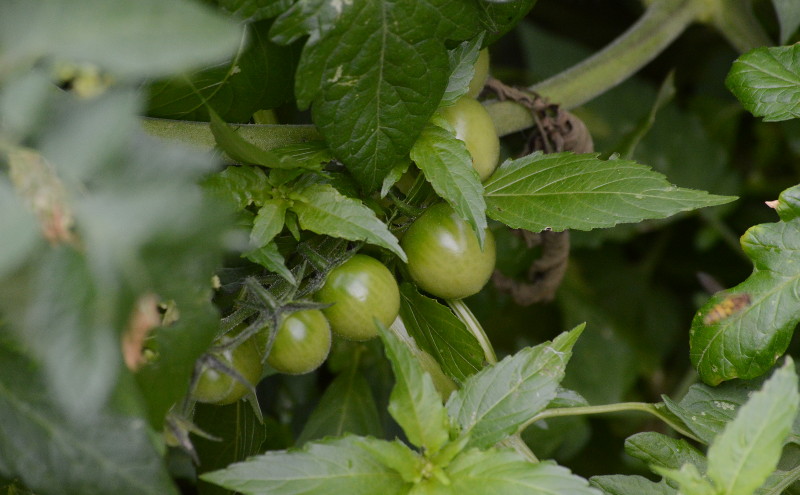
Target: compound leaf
{"points": [[740, 333], [338, 465], [447, 165], [322, 209], [496, 401], [415, 404], [567, 191], [767, 82]]}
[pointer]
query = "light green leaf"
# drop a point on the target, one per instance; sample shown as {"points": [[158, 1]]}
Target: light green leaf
{"points": [[462, 69], [440, 333], [146, 38], [241, 186], [689, 479], [42, 446], [270, 258], [415, 404], [742, 457], [478, 472], [268, 222], [788, 17], [337, 465], [447, 165], [347, 406], [767, 82], [566, 191], [741, 332], [242, 151], [322, 209], [656, 449], [617, 484], [495, 402]]}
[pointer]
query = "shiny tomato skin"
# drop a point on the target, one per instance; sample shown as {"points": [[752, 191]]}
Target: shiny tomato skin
{"points": [[301, 344], [474, 126]]}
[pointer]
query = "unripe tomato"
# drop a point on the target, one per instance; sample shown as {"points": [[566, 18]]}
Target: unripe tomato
{"points": [[301, 344], [360, 289], [216, 387], [444, 257], [474, 126], [481, 74]]}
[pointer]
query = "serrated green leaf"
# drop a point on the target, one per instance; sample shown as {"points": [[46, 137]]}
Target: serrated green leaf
{"points": [[767, 82], [347, 406], [478, 472], [447, 165], [656, 449], [495, 402], [268, 222], [788, 206], [42, 445], [322, 209], [462, 69], [241, 186], [393, 176], [258, 77], [618, 484], [339, 465], [561, 191], [270, 258], [373, 72], [742, 457], [242, 151], [415, 404], [440, 333], [499, 17], [239, 434], [740, 333], [147, 38], [788, 17]]}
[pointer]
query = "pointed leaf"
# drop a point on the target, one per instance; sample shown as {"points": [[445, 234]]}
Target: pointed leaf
{"points": [[440, 333], [415, 404], [338, 465], [495, 402], [462, 69], [562, 191], [742, 457], [503, 472], [689, 479], [447, 165], [656, 449], [268, 222], [740, 333], [347, 406], [241, 186], [270, 258], [322, 209], [767, 82], [242, 151]]}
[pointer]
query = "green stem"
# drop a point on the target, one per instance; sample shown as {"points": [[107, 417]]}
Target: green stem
{"points": [[610, 408], [198, 134], [737, 23], [464, 314]]}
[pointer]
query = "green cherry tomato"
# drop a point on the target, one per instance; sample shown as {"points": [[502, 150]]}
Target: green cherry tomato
{"points": [[444, 257], [302, 343], [481, 74], [217, 387], [474, 126], [360, 289]]}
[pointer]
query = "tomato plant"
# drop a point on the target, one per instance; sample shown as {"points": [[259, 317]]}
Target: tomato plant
{"points": [[588, 261], [444, 256], [359, 291]]}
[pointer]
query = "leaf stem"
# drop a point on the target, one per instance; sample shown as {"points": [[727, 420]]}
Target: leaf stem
{"points": [[610, 408], [737, 23], [464, 314]]}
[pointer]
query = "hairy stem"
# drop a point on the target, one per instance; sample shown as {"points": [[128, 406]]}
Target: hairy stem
{"points": [[737, 23], [610, 408]]}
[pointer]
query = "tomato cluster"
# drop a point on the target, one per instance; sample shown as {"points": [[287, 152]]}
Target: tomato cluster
{"points": [[444, 259]]}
